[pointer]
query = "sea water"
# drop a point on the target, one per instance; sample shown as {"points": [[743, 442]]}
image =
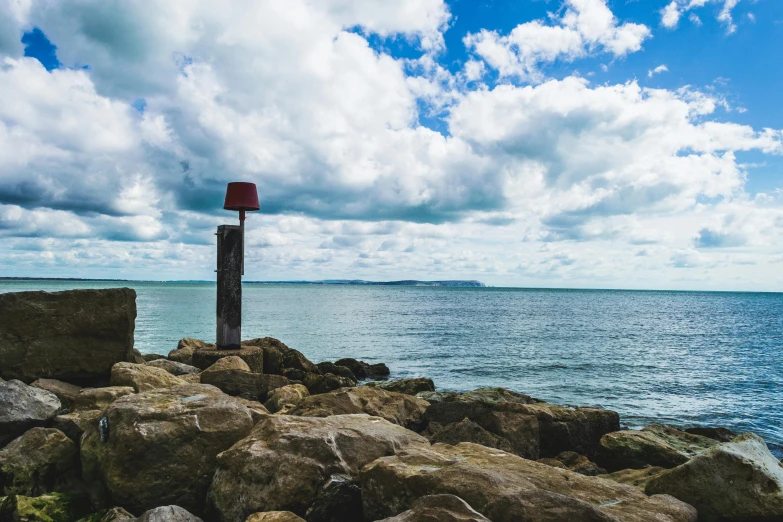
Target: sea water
{"points": [[681, 358]]}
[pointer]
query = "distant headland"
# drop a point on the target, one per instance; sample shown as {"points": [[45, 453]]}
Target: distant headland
{"points": [[406, 282]]}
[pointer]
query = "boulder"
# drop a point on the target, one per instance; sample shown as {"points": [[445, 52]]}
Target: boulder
{"points": [[168, 514], [53, 507], [23, 407], [655, 445], [439, 508], [342, 371], [637, 478], [294, 375], [505, 487], [274, 516], [191, 378], [410, 386], [141, 377], [40, 461], [736, 481], [273, 353], [719, 434], [252, 355], [74, 424], [286, 398], [185, 349], [116, 514], [286, 460], [575, 462], [233, 376], [398, 408], [65, 392], [149, 357], [363, 370], [295, 360], [99, 398], [137, 358], [437, 396], [468, 431], [74, 336], [325, 383], [159, 447], [173, 367], [497, 411], [339, 500]]}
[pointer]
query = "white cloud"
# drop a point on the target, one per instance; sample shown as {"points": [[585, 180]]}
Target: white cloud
{"points": [[670, 15], [561, 180], [661, 68], [588, 26]]}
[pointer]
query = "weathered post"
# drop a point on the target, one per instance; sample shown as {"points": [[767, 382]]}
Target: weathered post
{"points": [[231, 265]]}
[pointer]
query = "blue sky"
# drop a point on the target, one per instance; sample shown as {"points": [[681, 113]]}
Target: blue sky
{"points": [[573, 143]]}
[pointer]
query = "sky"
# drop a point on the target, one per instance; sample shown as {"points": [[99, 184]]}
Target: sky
{"points": [[534, 143]]}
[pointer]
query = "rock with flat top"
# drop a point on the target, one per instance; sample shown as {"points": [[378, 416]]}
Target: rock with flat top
{"points": [[655, 445], [23, 407], [469, 431], [173, 367], [65, 392], [397, 408], [142, 377], [185, 349], [168, 514], [39, 461], [74, 336], [159, 447], [439, 508], [99, 398], [411, 386], [274, 349], [233, 376], [731, 482], [637, 478], [506, 488], [286, 460], [252, 355]]}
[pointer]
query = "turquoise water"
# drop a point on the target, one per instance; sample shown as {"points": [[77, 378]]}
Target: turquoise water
{"points": [[685, 358]]}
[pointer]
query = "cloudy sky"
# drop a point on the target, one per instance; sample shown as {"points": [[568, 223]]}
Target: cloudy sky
{"points": [[560, 143]]}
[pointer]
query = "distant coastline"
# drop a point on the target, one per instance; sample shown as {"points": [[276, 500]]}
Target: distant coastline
{"points": [[407, 282]]}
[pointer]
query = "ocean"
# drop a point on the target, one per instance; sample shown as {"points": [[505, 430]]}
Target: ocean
{"points": [[680, 358]]}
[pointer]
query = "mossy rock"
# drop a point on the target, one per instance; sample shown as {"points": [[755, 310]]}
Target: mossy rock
{"points": [[54, 507]]}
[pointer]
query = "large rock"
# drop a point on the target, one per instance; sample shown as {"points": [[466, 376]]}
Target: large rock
{"points": [[185, 349], [655, 445], [324, 383], [273, 353], [99, 398], [142, 378], [274, 516], [286, 398], [53, 507], [736, 481], [575, 462], [40, 461], [295, 360], [339, 500], [149, 357], [469, 431], [411, 386], [637, 478], [504, 488], [173, 367], [233, 376], [161, 446], [252, 355], [363, 370], [168, 514], [74, 424], [286, 459], [74, 336], [719, 434], [398, 408], [66, 392], [439, 508], [342, 371], [23, 407]]}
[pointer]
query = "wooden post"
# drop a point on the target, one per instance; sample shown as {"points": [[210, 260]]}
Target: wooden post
{"points": [[229, 287]]}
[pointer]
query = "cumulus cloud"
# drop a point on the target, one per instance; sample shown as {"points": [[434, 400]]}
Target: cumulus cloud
{"points": [[588, 26], [519, 180], [671, 14], [657, 70]]}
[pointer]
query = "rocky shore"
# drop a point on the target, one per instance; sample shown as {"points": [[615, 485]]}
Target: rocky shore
{"points": [[92, 430]]}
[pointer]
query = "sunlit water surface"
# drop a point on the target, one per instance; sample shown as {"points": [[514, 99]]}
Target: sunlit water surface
{"points": [[684, 358]]}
